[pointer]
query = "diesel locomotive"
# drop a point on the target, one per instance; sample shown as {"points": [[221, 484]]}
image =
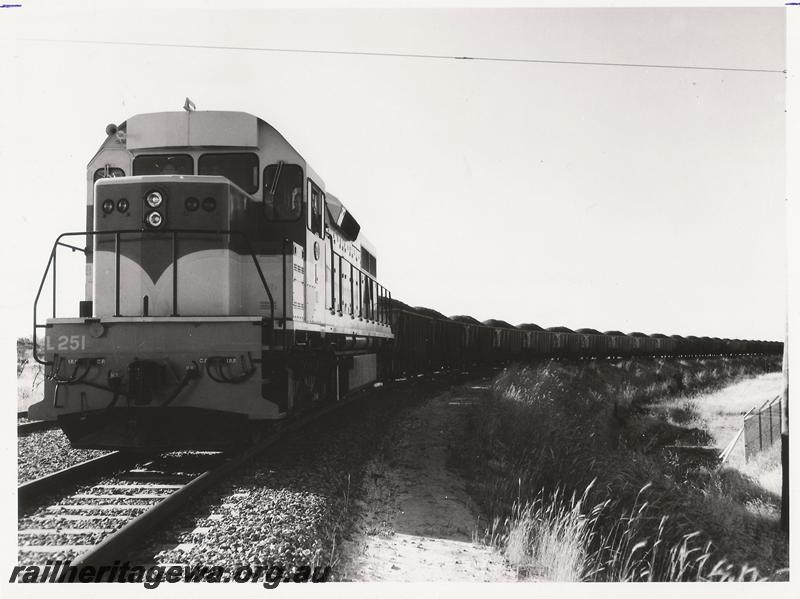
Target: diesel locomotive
{"points": [[226, 288]]}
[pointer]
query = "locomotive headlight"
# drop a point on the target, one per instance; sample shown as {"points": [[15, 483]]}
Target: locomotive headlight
{"points": [[192, 204], [154, 199], [122, 205], [154, 219], [209, 204], [108, 206]]}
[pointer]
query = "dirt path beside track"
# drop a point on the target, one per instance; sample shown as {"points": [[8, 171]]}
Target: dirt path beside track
{"points": [[417, 522]]}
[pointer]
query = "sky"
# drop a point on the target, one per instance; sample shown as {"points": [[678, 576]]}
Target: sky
{"points": [[638, 199]]}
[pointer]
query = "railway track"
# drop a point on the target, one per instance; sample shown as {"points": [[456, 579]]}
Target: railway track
{"points": [[32, 426], [99, 523], [89, 518], [25, 425], [33, 492]]}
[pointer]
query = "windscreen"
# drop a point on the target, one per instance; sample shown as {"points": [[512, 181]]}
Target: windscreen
{"points": [[240, 168], [163, 164]]}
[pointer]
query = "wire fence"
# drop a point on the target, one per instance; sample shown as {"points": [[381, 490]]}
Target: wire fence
{"points": [[762, 427]]}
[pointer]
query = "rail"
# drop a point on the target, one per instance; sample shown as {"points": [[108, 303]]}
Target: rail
{"points": [[370, 306], [120, 542], [117, 233], [30, 492], [33, 426]]}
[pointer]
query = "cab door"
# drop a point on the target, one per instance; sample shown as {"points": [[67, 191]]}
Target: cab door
{"points": [[315, 254]]}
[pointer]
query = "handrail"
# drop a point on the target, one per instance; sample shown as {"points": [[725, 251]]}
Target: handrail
{"points": [[372, 312], [340, 284], [283, 265], [352, 295], [284, 255], [333, 287], [117, 233]]}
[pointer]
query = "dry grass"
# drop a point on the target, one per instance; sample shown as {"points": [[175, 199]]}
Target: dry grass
{"points": [[722, 411], [30, 376], [765, 469], [589, 437], [547, 539], [555, 540]]}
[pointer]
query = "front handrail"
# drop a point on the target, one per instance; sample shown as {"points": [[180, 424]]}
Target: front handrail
{"points": [[117, 240]]}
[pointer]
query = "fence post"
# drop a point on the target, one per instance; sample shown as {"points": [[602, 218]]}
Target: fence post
{"points": [[760, 433], [771, 406], [785, 436]]}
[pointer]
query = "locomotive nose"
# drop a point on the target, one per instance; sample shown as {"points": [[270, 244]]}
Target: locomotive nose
{"points": [[158, 201], [162, 247]]}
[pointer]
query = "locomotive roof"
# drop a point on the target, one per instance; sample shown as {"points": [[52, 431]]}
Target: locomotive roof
{"points": [[195, 128], [615, 333], [178, 129], [529, 326], [586, 331], [222, 129]]}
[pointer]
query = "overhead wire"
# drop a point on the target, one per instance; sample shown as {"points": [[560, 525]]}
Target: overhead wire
{"points": [[405, 55]]}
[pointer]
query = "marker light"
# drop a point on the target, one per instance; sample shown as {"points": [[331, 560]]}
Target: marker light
{"points": [[154, 219], [123, 205], [108, 206], [154, 199], [209, 204], [192, 204]]}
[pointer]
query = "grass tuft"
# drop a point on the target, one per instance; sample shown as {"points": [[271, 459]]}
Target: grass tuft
{"points": [[571, 469]]}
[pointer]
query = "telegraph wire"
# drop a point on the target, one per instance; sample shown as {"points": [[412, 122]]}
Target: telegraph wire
{"points": [[402, 55]]}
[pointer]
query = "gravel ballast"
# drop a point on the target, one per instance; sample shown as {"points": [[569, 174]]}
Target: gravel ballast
{"points": [[44, 452], [293, 505]]}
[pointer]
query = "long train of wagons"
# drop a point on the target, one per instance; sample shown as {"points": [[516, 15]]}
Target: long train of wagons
{"points": [[226, 288]]}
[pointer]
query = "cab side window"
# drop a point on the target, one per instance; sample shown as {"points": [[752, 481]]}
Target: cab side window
{"points": [[108, 171], [316, 210], [283, 192]]}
